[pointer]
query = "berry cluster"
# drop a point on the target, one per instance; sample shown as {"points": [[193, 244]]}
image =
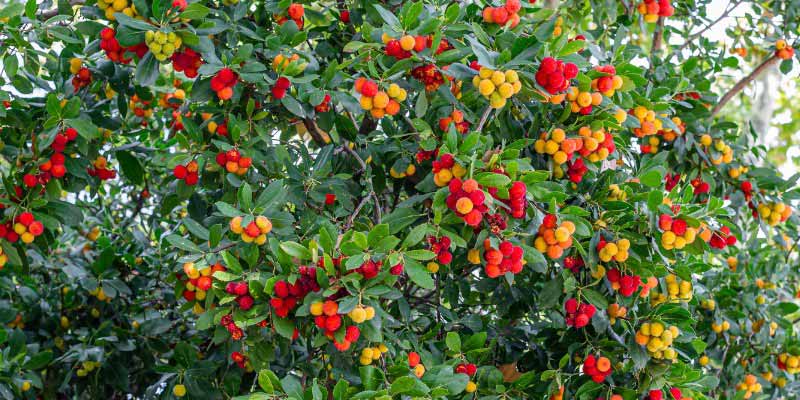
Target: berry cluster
{"points": [[330, 321], [288, 65], [187, 173], [574, 263], [287, 295], [678, 289], [430, 76], [789, 363], [141, 108], [162, 44], [401, 48], [223, 82], [457, 119], [62, 139], [370, 354], [187, 61], [624, 283], [52, 168], [555, 75], [219, 129], [617, 251], [506, 14], [100, 169], [278, 90], [720, 327], [468, 369], [648, 123], [7, 232], [409, 171], [295, 13], [774, 213], [240, 359], [783, 50], [466, 199], [256, 230], [578, 315], [558, 26], [361, 313], [608, 83], [722, 238], [233, 162], [441, 247], [597, 145], [658, 340], [552, 239], [110, 7], [616, 311], [197, 283], [497, 86], [598, 368], [582, 102], [27, 227], [653, 9], [242, 292], [750, 385], [378, 102], [506, 258], [517, 200], [369, 269], [324, 105], [81, 79], [677, 234], [445, 169]]}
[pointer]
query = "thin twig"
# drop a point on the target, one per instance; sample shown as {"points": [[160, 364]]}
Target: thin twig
{"points": [[739, 86], [694, 36], [484, 117], [45, 15]]}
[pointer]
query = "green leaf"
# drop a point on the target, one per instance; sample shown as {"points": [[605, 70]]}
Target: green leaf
{"points": [[131, 167], [389, 18], [183, 243], [420, 254], [418, 274], [194, 11], [293, 106], [85, 128], [296, 250], [453, 342], [491, 179], [147, 70]]}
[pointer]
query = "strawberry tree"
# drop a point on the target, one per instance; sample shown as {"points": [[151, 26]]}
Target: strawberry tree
{"points": [[335, 200]]}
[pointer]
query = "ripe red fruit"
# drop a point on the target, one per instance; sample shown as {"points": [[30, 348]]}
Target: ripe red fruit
{"points": [[352, 333], [204, 282], [29, 180], [413, 359], [25, 218], [512, 6], [500, 15], [241, 289], [192, 178], [344, 16], [36, 228], [179, 171], [369, 89], [227, 77], [330, 198], [296, 11], [656, 395], [252, 229]]}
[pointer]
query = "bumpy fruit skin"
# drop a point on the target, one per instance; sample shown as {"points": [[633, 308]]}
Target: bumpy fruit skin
{"points": [[179, 390]]}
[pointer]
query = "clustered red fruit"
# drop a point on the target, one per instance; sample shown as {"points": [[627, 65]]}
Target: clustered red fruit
{"points": [[82, 79], [555, 75], [722, 238], [223, 82], [233, 162], [578, 315], [429, 75], [179, 4], [700, 186], [187, 173], [504, 14], [235, 332], [576, 170], [468, 369], [240, 359], [506, 258], [329, 321], [573, 263], [325, 105], [466, 199], [747, 189], [62, 139], [115, 52], [100, 169], [626, 284], [295, 13], [598, 368], [653, 9], [54, 167], [517, 200], [445, 169], [187, 61], [456, 118], [369, 269], [280, 87], [27, 227], [441, 247], [671, 180], [287, 295], [242, 292]]}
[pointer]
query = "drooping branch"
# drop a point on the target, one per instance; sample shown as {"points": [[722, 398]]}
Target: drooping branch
{"points": [[739, 86], [694, 36]]}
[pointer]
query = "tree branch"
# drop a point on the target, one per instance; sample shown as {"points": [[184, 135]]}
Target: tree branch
{"points": [[658, 37], [694, 36], [313, 130], [484, 117], [45, 15], [739, 86]]}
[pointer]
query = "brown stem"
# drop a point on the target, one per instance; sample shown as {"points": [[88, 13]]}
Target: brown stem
{"points": [[484, 117], [694, 36], [658, 37], [313, 130], [739, 86]]}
